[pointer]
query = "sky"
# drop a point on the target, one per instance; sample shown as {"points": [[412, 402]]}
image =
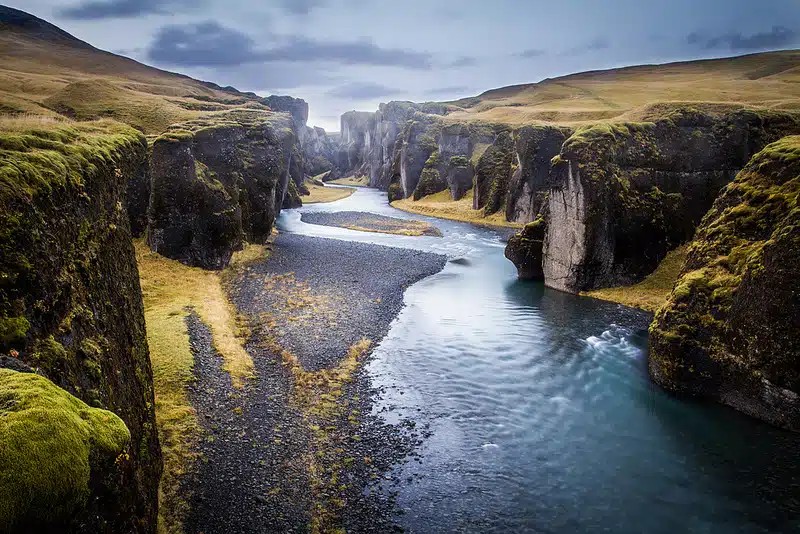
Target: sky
{"points": [[341, 55]]}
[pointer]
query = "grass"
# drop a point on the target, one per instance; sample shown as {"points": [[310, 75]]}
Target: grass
{"points": [[359, 181], [652, 292], [171, 291], [321, 193], [768, 80], [442, 206], [64, 77]]}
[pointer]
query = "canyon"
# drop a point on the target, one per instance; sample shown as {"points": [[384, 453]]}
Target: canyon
{"points": [[103, 180]]}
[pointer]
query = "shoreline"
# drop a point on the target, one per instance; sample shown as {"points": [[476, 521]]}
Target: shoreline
{"points": [[296, 448]]}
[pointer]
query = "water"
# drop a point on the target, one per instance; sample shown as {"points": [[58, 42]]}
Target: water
{"points": [[542, 416]]}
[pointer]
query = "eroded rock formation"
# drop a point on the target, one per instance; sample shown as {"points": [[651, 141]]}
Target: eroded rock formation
{"points": [[71, 310], [729, 329], [218, 182]]}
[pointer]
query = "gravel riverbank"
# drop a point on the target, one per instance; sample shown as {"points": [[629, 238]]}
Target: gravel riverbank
{"points": [[297, 449], [371, 222]]}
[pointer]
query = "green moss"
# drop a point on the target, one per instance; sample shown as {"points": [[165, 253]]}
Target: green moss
{"points": [[13, 331], [49, 443], [459, 161], [48, 353]]}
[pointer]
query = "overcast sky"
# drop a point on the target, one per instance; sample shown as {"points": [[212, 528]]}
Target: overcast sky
{"points": [[353, 54]]}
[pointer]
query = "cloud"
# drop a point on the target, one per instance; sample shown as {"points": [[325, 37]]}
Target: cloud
{"points": [[777, 37], [301, 7], [463, 61], [94, 9], [362, 90], [451, 90], [210, 44], [531, 53], [598, 43]]}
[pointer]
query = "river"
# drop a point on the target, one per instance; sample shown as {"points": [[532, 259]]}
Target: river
{"points": [[540, 411]]}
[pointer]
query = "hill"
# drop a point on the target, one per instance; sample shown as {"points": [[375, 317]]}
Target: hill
{"points": [[46, 71], [766, 80]]}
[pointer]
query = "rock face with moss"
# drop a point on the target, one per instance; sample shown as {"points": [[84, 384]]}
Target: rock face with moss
{"points": [[61, 461], [729, 329], [623, 195], [218, 182], [525, 250], [71, 309]]}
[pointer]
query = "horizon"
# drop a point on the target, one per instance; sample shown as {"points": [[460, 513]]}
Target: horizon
{"points": [[336, 73]]}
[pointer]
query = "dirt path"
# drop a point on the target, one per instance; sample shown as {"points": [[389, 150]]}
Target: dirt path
{"points": [[297, 450]]}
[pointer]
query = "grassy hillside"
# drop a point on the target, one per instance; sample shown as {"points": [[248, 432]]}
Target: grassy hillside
{"points": [[767, 80], [46, 71]]}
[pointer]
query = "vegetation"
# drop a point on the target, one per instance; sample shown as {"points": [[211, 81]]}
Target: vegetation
{"points": [[628, 93], [171, 291], [50, 442], [442, 206], [360, 180], [69, 78], [652, 292], [323, 193]]}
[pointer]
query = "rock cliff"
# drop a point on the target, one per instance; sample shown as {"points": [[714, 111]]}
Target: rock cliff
{"points": [[729, 329], [71, 309], [218, 182]]}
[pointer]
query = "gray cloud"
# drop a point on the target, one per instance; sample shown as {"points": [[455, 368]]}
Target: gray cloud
{"points": [[531, 53], [363, 90], [301, 7], [94, 9], [598, 43], [463, 61], [451, 90], [777, 37], [210, 44]]}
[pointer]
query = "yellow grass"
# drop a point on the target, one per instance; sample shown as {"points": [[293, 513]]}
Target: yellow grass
{"points": [[440, 205], [56, 78], [321, 193], [651, 293], [361, 181], [170, 290], [768, 80]]}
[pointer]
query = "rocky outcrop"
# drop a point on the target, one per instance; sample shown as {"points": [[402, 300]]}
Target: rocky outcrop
{"points": [[71, 309], [218, 182], [729, 329], [623, 195], [525, 250]]}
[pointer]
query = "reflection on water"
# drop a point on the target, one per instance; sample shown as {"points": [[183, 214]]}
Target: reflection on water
{"points": [[542, 415]]}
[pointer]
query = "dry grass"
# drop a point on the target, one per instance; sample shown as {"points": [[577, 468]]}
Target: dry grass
{"points": [[360, 181], [652, 292], [321, 193], [768, 80], [440, 205], [170, 290], [66, 78]]}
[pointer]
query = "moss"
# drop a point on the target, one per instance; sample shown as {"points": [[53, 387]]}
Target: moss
{"points": [[50, 442], [12, 332], [728, 277], [459, 161]]}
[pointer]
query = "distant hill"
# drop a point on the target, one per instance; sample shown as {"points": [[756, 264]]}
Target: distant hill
{"points": [[45, 70], [766, 80]]}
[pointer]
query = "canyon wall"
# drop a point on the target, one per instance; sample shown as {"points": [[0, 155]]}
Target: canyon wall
{"points": [[218, 182], [79, 449], [729, 329]]}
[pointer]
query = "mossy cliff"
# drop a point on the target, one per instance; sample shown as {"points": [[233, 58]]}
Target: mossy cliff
{"points": [[219, 182], [729, 330], [60, 459], [70, 301], [524, 250], [623, 195]]}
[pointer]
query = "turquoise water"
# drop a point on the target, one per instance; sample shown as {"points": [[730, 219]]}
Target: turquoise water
{"points": [[541, 414]]}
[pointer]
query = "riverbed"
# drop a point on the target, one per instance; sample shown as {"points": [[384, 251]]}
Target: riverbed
{"points": [[539, 413]]}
